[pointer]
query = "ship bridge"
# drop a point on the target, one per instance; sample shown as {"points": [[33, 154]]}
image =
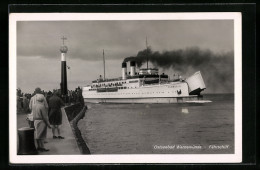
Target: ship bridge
{"points": [[148, 71]]}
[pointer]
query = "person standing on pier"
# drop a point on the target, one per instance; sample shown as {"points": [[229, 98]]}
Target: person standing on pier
{"points": [[41, 121], [25, 103], [55, 115]]}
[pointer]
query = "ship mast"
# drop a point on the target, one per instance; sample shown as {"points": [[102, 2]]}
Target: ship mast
{"points": [[104, 64], [147, 52]]}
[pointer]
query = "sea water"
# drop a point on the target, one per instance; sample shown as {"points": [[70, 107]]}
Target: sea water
{"points": [[161, 128]]}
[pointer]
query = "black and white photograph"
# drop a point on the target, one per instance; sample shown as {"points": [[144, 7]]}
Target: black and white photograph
{"points": [[125, 87]]}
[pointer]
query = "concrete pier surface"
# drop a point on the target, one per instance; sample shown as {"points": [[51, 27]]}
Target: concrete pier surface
{"points": [[67, 146]]}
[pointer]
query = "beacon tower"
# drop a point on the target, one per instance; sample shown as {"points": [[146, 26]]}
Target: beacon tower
{"points": [[63, 84]]}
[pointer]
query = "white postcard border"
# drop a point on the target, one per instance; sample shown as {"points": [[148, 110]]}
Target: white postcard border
{"points": [[125, 158]]}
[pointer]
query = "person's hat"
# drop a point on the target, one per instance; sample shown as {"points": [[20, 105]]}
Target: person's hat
{"points": [[37, 90]]}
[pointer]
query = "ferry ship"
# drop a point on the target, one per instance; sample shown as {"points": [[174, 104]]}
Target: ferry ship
{"points": [[144, 86]]}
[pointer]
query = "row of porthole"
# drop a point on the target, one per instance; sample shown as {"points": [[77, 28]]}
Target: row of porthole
{"points": [[126, 88]]}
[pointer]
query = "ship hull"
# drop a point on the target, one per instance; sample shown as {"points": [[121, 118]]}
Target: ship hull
{"points": [[133, 91], [144, 100]]}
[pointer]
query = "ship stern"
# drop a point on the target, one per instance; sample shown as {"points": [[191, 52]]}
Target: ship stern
{"points": [[195, 83]]}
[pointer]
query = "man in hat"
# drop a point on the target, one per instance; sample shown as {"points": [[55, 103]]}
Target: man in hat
{"points": [[41, 121], [55, 115], [33, 102]]}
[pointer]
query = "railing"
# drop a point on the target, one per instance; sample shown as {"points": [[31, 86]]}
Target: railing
{"points": [[131, 77]]}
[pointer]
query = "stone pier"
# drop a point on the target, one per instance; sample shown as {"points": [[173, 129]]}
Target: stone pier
{"points": [[72, 144]]}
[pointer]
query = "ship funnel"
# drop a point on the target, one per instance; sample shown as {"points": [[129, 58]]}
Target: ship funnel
{"points": [[132, 68], [124, 70]]}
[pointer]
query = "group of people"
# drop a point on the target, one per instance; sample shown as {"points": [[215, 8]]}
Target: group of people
{"points": [[45, 111], [74, 96], [46, 114], [23, 101]]}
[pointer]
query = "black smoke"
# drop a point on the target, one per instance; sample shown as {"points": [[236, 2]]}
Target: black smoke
{"points": [[217, 68]]}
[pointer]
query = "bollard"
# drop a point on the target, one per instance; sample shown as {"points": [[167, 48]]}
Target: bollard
{"points": [[26, 141]]}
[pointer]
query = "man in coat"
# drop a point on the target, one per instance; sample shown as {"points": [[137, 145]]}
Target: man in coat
{"points": [[41, 122], [33, 101]]}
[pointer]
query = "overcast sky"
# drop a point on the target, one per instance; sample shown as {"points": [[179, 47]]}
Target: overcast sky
{"points": [[38, 43]]}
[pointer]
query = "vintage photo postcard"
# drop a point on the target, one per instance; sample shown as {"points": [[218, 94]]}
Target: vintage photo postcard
{"points": [[125, 87]]}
